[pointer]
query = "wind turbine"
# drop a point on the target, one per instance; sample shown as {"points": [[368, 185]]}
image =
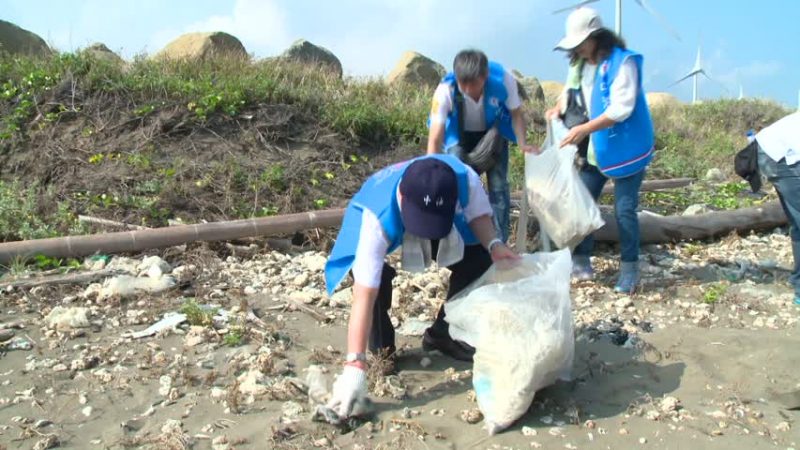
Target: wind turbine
{"points": [[618, 15], [697, 70]]}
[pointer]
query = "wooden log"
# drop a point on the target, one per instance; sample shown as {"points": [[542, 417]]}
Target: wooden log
{"points": [[647, 186], [109, 223], [656, 229]]}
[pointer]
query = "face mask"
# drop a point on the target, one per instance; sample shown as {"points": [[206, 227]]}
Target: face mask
{"points": [[417, 251]]}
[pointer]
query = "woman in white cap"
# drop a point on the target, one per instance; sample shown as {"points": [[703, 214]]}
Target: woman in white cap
{"points": [[609, 77]]}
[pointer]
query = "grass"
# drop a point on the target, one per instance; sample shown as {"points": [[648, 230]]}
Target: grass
{"points": [[196, 315], [40, 95], [714, 293]]}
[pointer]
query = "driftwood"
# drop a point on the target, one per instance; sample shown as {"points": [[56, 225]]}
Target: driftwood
{"points": [[74, 278], [310, 310], [136, 241], [657, 229], [109, 223]]}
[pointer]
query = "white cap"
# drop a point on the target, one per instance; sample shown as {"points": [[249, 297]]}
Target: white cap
{"points": [[580, 24]]}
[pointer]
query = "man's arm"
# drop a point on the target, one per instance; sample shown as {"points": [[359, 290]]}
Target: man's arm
{"points": [[360, 319], [435, 138], [483, 227], [521, 130]]}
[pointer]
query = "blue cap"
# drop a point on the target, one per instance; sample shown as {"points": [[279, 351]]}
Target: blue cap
{"points": [[429, 192]]}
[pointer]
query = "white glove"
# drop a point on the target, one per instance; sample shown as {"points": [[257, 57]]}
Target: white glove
{"points": [[349, 397]]}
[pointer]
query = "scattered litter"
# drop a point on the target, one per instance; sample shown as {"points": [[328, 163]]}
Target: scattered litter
{"points": [[64, 318], [414, 327]]}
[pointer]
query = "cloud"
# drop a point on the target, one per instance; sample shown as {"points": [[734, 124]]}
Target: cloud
{"points": [[261, 25]]}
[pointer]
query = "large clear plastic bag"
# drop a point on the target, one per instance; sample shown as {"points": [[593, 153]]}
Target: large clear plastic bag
{"points": [[558, 198], [520, 322]]}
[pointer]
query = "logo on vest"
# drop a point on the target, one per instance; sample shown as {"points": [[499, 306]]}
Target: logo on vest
{"points": [[494, 101]]}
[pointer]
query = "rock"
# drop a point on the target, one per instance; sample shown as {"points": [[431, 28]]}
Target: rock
{"points": [[529, 432], [342, 297], [305, 52], [220, 443], [154, 267], [529, 87], [471, 416], [18, 41], [314, 263], [552, 90], [301, 280], [250, 290], [127, 286], [657, 100], [669, 404], [197, 335], [291, 411], [164, 385], [251, 383], [696, 209], [302, 297], [202, 46], [414, 327], [100, 52], [87, 411], [63, 318], [172, 426], [425, 362], [715, 175], [417, 70]]}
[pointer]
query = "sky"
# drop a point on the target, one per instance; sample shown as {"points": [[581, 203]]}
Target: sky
{"points": [[747, 44]]}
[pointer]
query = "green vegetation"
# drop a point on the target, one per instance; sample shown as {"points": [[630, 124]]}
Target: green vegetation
{"points": [[235, 337], [714, 293], [116, 141], [197, 315]]}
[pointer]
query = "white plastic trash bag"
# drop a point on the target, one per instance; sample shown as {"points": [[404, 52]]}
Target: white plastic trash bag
{"points": [[520, 322], [558, 198]]}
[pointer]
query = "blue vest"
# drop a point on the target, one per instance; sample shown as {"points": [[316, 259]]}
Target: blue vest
{"points": [[626, 148], [379, 195], [494, 106]]}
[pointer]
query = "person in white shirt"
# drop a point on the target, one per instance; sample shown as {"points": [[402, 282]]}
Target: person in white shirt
{"points": [[779, 162], [619, 129], [435, 209], [476, 96]]}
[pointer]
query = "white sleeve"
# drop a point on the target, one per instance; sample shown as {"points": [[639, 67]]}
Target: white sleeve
{"points": [[371, 251], [442, 104], [512, 88], [478, 200], [623, 92]]}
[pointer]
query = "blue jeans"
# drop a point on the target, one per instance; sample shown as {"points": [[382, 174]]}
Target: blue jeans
{"points": [[786, 180], [497, 177], [626, 200]]}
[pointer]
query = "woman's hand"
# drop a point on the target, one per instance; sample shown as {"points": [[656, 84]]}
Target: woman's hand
{"points": [[552, 113], [575, 135]]}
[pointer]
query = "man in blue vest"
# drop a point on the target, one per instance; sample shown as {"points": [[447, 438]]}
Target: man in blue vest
{"points": [[435, 208], [476, 96]]}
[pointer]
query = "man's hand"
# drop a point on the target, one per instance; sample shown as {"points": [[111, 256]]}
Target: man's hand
{"points": [[503, 256], [575, 135], [349, 392], [527, 148]]}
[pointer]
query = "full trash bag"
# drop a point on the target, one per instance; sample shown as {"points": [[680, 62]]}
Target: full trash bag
{"points": [[520, 322], [558, 198]]}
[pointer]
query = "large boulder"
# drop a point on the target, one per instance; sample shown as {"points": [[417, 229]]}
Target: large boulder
{"points": [[416, 69], [661, 100], [552, 90], [18, 41], [529, 87], [201, 46], [305, 52], [100, 52]]}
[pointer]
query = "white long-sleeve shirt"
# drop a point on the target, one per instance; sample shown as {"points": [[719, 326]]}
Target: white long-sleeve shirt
{"points": [[373, 244]]}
